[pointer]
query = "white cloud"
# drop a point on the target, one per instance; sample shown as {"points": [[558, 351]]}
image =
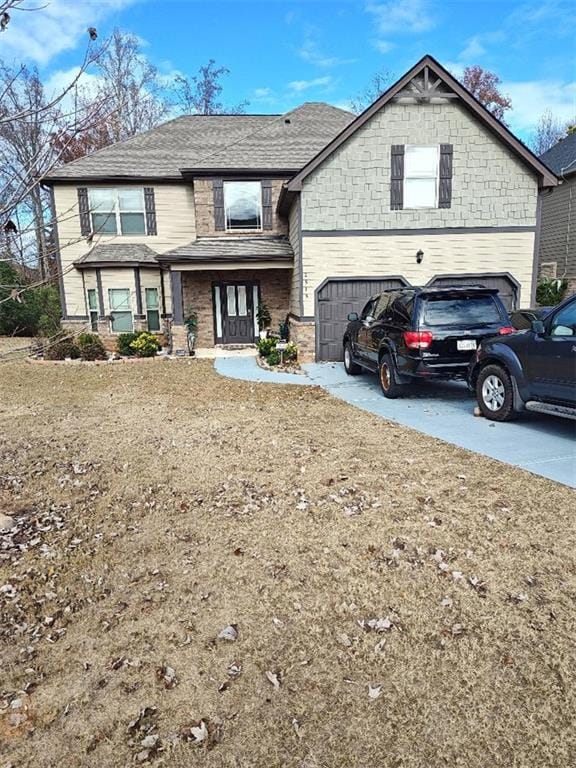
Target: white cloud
{"points": [[473, 50], [383, 46], [400, 17], [39, 36], [531, 98], [262, 93], [304, 85], [310, 52]]}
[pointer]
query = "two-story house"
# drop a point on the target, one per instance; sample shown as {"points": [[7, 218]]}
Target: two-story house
{"points": [[309, 212]]}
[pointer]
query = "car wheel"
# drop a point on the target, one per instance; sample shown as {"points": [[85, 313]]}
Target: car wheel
{"points": [[495, 393], [387, 376], [351, 368]]}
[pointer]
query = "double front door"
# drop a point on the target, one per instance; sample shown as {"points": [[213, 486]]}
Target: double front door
{"points": [[237, 309]]}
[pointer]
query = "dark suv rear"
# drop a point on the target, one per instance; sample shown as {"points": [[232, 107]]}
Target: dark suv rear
{"points": [[420, 333]]}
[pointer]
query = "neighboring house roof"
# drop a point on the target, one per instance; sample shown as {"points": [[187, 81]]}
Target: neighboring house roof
{"points": [[429, 66], [229, 142], [561, 158], [125, 254], [223, 249]]}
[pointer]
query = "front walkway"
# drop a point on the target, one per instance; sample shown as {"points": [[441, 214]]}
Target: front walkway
{"points": [[542, 445]]}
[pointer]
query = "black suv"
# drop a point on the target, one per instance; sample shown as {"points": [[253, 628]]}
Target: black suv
{"points": [[533, 370], [421, 333]]}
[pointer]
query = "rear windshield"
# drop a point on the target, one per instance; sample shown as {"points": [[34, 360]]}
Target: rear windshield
{"points": [[462, 311]]}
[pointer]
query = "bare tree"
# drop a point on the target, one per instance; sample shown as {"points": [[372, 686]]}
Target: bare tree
{"points": [[379, 82], [200, 93], [548, 132], [485, 86]]}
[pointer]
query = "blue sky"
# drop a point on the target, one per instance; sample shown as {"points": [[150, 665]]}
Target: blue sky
{"points": [[281, 53]]}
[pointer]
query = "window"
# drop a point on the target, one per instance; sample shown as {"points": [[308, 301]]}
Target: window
{"points": [[236, 301], [243, 205], [93, 308], [120, 310], [468, 311], [152, 309], [117, 211], [368, 311], [421, 177], [564, 323]]}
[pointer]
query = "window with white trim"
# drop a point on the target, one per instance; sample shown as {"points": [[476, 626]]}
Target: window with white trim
{"points": [[120, 310], [152, 309], [117, 211], [93, 308], [243, 205], [421, 177]]}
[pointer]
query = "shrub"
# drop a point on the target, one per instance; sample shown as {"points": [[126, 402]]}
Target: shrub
{"points": [[291, 352], [60, 349], [263, 316], [284, 330], [124, 343], [274, 357], [550, 291], [145, 344], [266, 346], [37, 312], [91, 346]]}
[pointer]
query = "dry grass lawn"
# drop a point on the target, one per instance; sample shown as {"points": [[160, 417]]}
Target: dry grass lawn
{"points": [[159, 503]]}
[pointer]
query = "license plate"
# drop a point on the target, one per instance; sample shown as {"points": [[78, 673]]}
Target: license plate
{"points": [[464, 345]]}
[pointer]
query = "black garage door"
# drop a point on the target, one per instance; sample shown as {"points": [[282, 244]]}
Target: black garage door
{"points": [[508, 288], [336, 298]]}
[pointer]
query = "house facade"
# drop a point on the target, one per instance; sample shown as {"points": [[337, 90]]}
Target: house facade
{"points": [[310, 213], [557, 243]]}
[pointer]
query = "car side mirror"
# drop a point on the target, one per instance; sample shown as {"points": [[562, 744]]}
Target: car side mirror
{"points": [[352, 316], [538, 327]]}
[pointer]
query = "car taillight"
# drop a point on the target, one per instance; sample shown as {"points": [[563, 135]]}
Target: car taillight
{"points": [[418, 339], [506, 329]]}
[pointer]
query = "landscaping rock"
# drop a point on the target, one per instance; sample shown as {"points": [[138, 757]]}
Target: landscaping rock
{"points": [[6, 522]]}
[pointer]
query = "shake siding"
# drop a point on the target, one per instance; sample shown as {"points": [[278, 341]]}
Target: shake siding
{"points": [[175, 223], [381, 255], [351, 189], [295, 240], [558, 233]]}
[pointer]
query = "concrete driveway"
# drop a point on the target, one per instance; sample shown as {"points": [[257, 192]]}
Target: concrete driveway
{"points": [[543, 445]]}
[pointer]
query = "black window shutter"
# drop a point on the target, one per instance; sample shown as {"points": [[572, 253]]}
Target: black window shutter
{"points": [[218, 192], [445, 179], [397, 177], [84, 211], [266, 204], [150, 208]]}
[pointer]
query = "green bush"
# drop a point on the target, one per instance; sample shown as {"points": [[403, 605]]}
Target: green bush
{"points": [[263, 316], [284, 330], [36, 313], [273, 358], [145, 344], [91, 347], [60, 349], [124, 343], [291, 352], [266, 346], [550, 291]]}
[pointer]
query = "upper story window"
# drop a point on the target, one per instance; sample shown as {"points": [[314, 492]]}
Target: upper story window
{"points": [[117, 211], [421, 177], [243, 205]]}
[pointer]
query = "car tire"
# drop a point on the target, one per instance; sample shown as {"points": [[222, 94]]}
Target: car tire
{"points": [[495, 393], [387, 378], [351, 368]]}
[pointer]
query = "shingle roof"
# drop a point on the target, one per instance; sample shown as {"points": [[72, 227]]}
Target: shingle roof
{"points": [[561, 158], [118, 253], [215, 141], [223, 249]]}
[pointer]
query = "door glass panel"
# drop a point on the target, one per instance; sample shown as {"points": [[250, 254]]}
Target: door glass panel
{"points": [[242, 309], [231, 297]]}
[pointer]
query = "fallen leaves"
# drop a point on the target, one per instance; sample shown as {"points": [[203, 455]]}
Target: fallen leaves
{"points": [[374, 691], [167, 676], [229, 633], [274, 679]]}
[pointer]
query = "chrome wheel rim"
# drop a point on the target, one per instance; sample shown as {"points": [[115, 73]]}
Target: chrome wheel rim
{"points": [[384, 376], [347, 357], [493, 393]]}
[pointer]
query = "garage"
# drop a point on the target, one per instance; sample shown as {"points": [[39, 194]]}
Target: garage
{"points": [[335, 299], [508, 287]]}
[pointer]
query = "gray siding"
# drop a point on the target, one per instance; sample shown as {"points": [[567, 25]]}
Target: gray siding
{"points": [[351, 189], [295, 237], [558, 233]]}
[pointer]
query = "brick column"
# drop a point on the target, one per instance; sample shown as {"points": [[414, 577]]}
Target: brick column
{"points": [[178, 331], [303, 334]]}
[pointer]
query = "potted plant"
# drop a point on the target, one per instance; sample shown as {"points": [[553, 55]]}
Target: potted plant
{"points": [[264, 319], [191, 323]]}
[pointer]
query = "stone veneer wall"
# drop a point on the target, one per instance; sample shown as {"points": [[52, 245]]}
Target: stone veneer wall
{"points": [[303, 334], [197, 296]]}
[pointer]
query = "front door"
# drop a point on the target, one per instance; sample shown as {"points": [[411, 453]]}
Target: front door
{"points": [[237, 304]]}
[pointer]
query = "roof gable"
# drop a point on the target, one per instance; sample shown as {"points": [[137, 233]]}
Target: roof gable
{"points": [[428, 81]]}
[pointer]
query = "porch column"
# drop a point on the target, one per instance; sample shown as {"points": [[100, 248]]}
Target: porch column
{"points": [[177, 298]]}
